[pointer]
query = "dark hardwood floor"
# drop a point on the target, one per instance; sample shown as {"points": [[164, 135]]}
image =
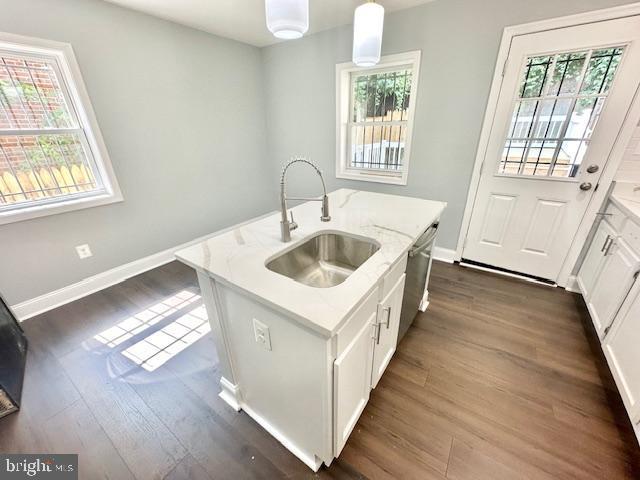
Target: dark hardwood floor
{"points": [[499, 379]]}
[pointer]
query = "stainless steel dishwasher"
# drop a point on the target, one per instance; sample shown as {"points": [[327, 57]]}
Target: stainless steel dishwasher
{"points": [[418, 270]]}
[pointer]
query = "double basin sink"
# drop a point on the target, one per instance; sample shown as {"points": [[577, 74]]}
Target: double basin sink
{"points": [[324, 260]]}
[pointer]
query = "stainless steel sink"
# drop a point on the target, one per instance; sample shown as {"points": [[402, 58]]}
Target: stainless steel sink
{"points": [[325, 260]]}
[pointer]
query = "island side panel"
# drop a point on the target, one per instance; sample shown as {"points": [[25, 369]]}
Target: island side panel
{"points": [[230, 392], [285, 388]]}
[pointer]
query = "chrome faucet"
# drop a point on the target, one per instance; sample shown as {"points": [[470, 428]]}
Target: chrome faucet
{"points": [[287, 226]]}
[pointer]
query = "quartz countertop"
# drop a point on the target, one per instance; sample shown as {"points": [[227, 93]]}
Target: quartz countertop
{"points": [[627, 199], [237, 257]]}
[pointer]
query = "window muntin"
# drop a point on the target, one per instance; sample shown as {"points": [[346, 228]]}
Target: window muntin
{"points": [[379, 116], [44, 153], [559, 102]]}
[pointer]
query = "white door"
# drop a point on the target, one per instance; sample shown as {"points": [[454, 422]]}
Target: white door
{"points": [[351, 384], [388, 324], [612, 283], [562, 102]]}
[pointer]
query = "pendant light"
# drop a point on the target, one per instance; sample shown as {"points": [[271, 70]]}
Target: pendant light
{"points": [[368, 21], [287, 19]]}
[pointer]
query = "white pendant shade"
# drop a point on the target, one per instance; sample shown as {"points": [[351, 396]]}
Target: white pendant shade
{"points": [[287, 19], [368, 22]]}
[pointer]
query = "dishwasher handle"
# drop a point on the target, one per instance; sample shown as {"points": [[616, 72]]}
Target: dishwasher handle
{"points": [[431, 235]]}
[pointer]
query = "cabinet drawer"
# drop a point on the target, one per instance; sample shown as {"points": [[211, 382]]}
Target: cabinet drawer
{"points": [[631, 235], [353, 325], [391, 278], [615, 217]]}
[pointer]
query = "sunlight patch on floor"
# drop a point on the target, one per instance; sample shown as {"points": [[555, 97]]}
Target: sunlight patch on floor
{"points": [[139, 322], [159, 347]]}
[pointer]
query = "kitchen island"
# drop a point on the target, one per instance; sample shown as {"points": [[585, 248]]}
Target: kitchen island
{"points": [[301, 359]]}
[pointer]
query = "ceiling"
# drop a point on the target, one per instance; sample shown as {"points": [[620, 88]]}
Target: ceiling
{"points": [[244, 20]]}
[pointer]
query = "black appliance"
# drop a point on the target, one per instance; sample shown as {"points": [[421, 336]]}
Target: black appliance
{"points": [[13, 356]]}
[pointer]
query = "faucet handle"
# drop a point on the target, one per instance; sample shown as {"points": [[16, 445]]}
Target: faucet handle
{"points": [[292, 224]]}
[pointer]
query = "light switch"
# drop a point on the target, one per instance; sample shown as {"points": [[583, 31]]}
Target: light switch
{"points": [[261, 332]]}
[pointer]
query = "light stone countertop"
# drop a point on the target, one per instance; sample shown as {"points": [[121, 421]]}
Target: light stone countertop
{"points": [[237, 257], [626, 199]]}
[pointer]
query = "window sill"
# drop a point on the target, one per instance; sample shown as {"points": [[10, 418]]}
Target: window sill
{"points": [[368, 176], [28, 213]]}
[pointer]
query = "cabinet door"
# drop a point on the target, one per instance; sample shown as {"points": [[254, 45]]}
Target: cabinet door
{"points": [[594, 259], [612, 284], [351, 380], [388, 323], [621, 347]]}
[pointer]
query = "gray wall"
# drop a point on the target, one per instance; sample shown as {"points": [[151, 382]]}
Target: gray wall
{"points": [[459, 40], [197, 126], [182, 114]]}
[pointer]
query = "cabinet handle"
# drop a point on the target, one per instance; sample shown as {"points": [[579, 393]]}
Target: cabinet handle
{"points": [[388, 310], [378, 328], [604, 245], [611, 243]]}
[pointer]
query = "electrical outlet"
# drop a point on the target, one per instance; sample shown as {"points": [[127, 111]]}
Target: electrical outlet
{"points": [[261, 331], [84, 251]]}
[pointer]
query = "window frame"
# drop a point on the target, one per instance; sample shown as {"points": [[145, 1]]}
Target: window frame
{"points": [[344, 73], [565, 123], [75, 92]]}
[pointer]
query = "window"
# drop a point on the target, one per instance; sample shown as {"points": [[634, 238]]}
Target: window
{"points": [[52, 158], [559, 102], [375, 108]]}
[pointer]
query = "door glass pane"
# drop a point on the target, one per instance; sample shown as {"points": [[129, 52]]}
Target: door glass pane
{"points": [[560, 99], [534, 76], [601, 70], [567, 73], [539, 158]]}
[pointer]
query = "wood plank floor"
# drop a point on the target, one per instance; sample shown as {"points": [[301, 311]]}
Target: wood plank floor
{"points": [[499, 379]]}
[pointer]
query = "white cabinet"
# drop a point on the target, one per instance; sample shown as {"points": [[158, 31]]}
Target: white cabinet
{"points": [[608, 279], [594, 259], [387, 325], [351, 383], [622, 349], [612, 284], [362, 361], [607, 274]]}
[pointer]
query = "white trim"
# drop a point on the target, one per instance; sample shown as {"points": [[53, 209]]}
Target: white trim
{"points": [[616, 155], [80, 103], [572, 285], [54, 208], [343, 105], [310, 461], [49, 301], [230, 394], [506, 274], [444, 254]]}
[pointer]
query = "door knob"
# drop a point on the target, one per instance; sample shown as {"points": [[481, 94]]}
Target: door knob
{"points": [[593, 168], [585, 186]]}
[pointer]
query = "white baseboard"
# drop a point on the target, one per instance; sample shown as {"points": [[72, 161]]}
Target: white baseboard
{"points": [[444, 254], [230, 393], [49, 301], [310, 461], [572, 285]]}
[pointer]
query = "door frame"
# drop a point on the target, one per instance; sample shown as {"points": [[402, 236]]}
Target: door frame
{"points": [[566, 278]]}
